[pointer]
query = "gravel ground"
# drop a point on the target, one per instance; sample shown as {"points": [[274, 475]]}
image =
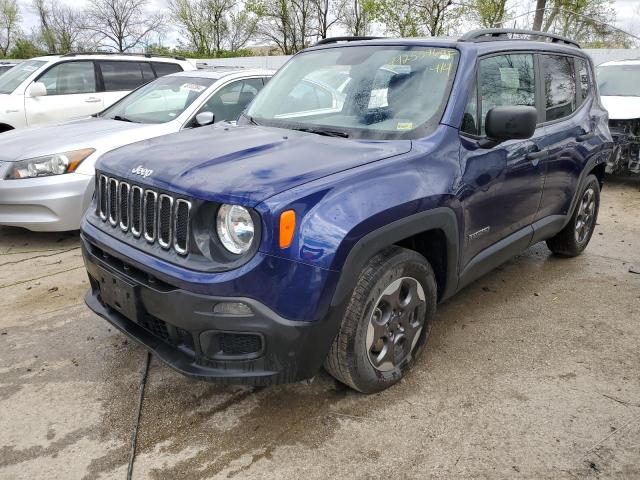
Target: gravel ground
{"points": [[531, 372]]}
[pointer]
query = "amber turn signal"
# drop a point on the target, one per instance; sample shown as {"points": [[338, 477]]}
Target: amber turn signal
{"points": [[287, 228]]}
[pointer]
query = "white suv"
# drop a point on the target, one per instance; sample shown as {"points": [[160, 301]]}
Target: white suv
{"points": [[50, 89]]}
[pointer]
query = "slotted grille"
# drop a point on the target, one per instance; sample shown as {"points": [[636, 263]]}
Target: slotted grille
{"points": [[150, 201], [123, 205], [102, 193], [136, 209], [145, 213], [181, 226], [113, 201], [165, 205]]}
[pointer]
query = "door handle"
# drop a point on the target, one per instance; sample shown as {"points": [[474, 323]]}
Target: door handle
{"points": [[536, 155], [92, 100], [585, 137]]}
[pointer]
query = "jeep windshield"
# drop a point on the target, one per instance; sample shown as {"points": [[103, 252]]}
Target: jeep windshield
{"points": [[160, 101], [18, 74], [619, 80], [373, 91]]}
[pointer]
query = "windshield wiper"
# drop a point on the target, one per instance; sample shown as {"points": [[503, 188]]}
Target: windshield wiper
{"points": [[250, 118], [122, 119], [322, 131]]}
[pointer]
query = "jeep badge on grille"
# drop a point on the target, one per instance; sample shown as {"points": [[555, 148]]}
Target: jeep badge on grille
{"points": [[143, 172]]}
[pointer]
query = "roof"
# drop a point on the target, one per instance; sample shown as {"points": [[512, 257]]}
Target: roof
{"points": [[481, 47], [631, 61], [111, 56], [218, 74]]}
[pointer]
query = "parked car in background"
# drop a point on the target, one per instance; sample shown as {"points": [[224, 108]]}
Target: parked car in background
{"points": [[319, 232], [46, 173], [54, 88], [619, 84], [5, 67]]}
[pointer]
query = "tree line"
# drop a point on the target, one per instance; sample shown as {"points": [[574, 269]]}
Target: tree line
{"points": [[220, 28]]}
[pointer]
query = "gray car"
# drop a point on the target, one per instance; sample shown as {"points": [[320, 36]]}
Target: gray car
{"points": [[47, 173]]}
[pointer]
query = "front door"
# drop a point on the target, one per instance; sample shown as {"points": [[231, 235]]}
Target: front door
{"points": [[502, 185], [71, 92]]}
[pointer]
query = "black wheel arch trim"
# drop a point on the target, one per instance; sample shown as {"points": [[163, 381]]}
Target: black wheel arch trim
{"points": [[441, 218], [596, 160]]}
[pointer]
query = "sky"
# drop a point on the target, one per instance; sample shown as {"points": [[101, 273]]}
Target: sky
{"points": [[627, 11]]}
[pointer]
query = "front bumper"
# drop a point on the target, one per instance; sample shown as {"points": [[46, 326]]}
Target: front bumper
{"points": [[46, 204], [183, 330]]}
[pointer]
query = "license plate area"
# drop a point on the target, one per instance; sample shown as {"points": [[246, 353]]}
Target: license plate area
{"points": [[119, 294]]}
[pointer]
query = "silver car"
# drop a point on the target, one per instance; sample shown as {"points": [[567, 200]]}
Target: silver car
{"points": [[47, 173]]}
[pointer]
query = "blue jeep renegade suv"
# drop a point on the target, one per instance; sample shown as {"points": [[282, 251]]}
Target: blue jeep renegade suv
{"points": [[369, 180]]}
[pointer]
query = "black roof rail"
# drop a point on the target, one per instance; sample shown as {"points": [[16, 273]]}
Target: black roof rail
{"points": [[489, 34], [326, 41], [146, 55]]}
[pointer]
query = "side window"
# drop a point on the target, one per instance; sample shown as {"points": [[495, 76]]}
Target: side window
{"points": [[163, 68], [147, 72], [120, 76], [229, 102], [506, 80], [583, 75], [470, 117], [559, 86], [70, 78]]}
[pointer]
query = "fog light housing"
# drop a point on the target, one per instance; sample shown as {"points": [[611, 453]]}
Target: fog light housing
{"points": [[233, 308]]}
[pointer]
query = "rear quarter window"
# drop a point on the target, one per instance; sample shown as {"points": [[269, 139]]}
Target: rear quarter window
{"points": [[559, 86], [163, 68], [118, 76]]}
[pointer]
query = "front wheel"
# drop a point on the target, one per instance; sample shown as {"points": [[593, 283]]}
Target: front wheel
{"points": [[387, 321], [574, 237]]}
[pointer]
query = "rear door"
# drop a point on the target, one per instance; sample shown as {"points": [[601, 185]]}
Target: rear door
{"points": [[119, 77], [569, 127], [72, 91]]}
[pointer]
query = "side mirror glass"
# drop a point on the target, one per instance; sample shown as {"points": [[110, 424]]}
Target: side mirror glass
{"points": [[510, 123], [205, 118], [37, 89]]}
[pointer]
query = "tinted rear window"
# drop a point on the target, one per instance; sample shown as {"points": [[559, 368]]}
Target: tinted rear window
{"points": [[163, 69], [121, 75]]}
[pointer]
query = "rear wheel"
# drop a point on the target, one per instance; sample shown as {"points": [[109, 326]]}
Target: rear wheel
{"points": [[387, 322], [574, 237]]}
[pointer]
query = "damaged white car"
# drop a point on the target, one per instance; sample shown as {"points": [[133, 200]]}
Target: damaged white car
{"points": [[619, 84]]}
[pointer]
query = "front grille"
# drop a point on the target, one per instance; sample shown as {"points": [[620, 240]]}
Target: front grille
{"points": [[156, 326], [145, 213]]}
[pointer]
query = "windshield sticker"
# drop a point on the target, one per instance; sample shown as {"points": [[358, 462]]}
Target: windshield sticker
{"points": [[404, 126], [194, 87], [510, 77], [442, 68], [439, 53]]}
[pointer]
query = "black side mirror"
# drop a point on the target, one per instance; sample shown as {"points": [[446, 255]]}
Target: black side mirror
{"points": [[511, 122], [204, 118]]}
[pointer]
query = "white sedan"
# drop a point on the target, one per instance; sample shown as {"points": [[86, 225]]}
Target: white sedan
{"points": [[47, 173]]}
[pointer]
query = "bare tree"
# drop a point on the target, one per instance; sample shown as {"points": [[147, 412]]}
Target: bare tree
{"points": [[122, 24], [9, 24], [327, 13], [212, 26], [61, 28], [290, 24], [355, 17], [242, 28]]}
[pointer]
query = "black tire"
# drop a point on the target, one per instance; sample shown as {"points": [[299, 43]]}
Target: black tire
{"points": [[350, 359], [569, 242]]}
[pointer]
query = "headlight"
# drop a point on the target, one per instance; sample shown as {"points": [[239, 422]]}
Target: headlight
{"points": [[235, 228], [55, 164]]}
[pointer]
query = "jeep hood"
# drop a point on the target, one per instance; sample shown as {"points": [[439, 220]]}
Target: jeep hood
{"points": [[34, 142], [241, 164], [622, 108]]}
